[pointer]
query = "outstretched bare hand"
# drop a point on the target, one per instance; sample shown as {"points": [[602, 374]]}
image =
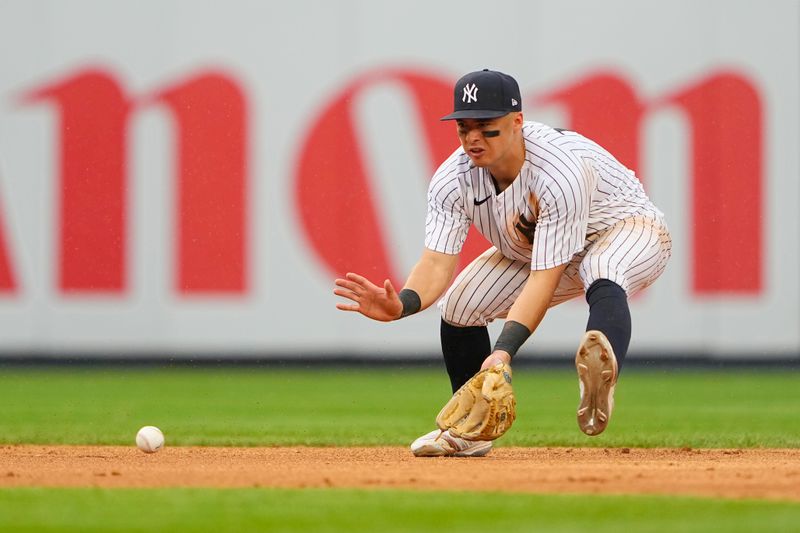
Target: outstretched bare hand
{"points": [[372, 301]]}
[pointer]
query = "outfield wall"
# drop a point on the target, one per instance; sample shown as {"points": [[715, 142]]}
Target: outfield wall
{"points": [[189, 177]]}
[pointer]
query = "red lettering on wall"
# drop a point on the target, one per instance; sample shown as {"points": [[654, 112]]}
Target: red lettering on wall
{"points": [[724, 111], [211, 181], [338, 209], [211, 184], [93, 111], [727, 181], [605, 108], [335, 201], [8, 284]]}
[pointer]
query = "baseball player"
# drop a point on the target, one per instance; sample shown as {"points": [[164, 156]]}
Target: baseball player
{"points": [[565, 218]]}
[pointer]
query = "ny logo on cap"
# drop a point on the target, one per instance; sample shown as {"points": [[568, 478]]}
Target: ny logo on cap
{"points": [[470, 93]]}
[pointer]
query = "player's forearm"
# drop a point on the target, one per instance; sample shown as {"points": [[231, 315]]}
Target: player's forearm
{"points": [[528, 311], [531, 305], [430, 276]]}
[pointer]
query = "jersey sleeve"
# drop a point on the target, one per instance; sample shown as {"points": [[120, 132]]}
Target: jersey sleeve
{"points": [[564, 195], [447, 223]]}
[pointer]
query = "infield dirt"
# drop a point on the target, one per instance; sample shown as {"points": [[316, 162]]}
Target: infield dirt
{"points": [[732, 473]]}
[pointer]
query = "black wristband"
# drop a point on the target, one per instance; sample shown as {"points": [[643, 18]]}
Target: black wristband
{"points": [[411, 302], [512, 337]]}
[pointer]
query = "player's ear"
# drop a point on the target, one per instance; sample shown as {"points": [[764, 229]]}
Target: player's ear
{"points": [[518, 120]]}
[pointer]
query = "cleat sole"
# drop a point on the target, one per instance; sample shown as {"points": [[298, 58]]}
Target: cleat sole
{"points": [[597, 372]]}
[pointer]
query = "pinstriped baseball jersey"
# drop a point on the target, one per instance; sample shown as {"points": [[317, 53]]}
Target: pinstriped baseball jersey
{"points": [[633, 253], [569, 189]]}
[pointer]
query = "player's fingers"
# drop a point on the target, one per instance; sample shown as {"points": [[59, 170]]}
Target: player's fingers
{"points": [[350, 295], [349, 285], [361, 280], [348, 307], [389, 288]]}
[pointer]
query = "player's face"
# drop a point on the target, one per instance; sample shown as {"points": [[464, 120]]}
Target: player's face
{"points": [[488, 141]]}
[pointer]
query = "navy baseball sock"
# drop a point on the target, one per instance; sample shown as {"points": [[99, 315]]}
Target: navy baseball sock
{"points": [[609, 313], [464, 350]]}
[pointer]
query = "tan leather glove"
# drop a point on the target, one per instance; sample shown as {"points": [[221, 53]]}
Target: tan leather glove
{"points": [[483, 408]]}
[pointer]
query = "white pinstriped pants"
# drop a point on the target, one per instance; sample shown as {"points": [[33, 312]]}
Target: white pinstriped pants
{"points": [[632, 254]]}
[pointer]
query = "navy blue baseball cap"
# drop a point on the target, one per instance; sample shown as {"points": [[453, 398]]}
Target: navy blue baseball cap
{"points": [[485, 94]]}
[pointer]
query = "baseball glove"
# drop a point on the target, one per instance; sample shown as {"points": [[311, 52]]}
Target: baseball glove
{"points": [[483, 408]]}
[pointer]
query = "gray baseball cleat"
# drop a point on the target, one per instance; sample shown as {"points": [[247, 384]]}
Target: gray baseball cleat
{"points": [[440, 443], [597, 376]]}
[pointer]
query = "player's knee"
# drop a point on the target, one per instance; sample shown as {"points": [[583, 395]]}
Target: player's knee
{"points": [[460, 316], [462, 320], [460, 323], [604, 288]]}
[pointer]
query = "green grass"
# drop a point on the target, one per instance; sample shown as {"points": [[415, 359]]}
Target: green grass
{"points": [[350, 511], [376, 407], [379, 407]]}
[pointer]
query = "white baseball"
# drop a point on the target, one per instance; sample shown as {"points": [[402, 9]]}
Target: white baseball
{"points": [[150, 439]]}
